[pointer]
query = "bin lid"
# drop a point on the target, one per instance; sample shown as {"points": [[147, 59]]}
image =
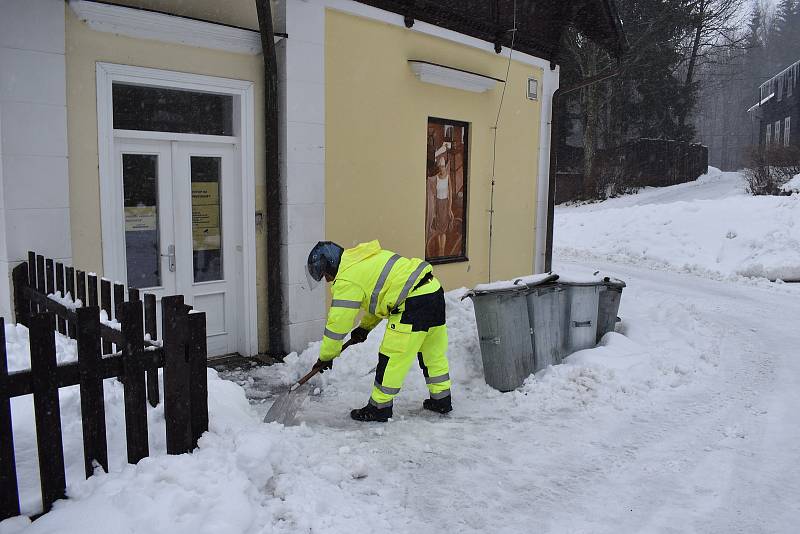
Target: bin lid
{"points": [[590, 279], [511, 286]]}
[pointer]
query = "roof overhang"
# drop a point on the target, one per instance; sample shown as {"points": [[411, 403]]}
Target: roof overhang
{"points": [[539, 23]]}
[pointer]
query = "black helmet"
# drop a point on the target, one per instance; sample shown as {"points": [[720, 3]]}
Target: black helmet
{"points": [[324, 260]]}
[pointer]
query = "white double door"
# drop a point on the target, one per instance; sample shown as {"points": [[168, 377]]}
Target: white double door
{"points": [[183, 235]]}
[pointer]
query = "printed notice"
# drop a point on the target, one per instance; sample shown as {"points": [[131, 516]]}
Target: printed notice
{"points": [[205, 216], [206, 238], [205, 194], [141, 219]]}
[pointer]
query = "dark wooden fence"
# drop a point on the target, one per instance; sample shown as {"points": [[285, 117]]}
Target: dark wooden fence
{"points": [[104, 351], [641, 163], [660, 162]]}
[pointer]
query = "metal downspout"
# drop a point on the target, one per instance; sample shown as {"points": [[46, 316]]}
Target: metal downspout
{"points": [[272, 181]]}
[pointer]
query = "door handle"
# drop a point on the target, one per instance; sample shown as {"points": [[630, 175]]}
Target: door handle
{"points": [[171, 255]]}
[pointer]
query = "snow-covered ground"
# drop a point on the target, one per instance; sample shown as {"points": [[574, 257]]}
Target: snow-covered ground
{"points": [[709, 227], [685, 420]]}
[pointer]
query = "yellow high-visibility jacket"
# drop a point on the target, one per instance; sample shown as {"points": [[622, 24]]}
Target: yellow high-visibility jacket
{"points": [[371, 279]]}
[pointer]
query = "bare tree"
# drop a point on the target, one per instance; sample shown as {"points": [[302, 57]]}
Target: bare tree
{"points": [[590, 60], [715, 31]]}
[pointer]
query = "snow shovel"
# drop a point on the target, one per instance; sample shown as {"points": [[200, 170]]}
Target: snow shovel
{"points": [[285, 407]]}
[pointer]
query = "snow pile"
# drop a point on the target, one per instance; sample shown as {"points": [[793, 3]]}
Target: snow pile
{"points": [[792, 186], [710, 227], [212, 490]]}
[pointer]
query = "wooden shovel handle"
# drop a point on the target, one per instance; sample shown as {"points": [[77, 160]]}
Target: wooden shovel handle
{"points": [[316, 370]]}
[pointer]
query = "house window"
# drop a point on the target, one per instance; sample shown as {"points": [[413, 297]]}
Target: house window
{"points": [[769, 134], [787, 124], [446, 191], [777, 132], [779, 94], [790, 82], [156, 109]]}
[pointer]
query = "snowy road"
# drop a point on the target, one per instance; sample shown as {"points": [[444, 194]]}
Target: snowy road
{"points": [[687, 423], [722, 454], [692, 427]]}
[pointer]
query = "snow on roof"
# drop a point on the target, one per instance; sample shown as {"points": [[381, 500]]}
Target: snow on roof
{"points": [[794, 66], [766, 98]]}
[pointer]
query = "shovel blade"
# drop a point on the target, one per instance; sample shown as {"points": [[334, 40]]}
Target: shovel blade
{"points": [[285, 408]]}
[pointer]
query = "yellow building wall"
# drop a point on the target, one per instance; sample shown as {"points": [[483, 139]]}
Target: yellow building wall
{"points": [[84, 48], [376, 138]]}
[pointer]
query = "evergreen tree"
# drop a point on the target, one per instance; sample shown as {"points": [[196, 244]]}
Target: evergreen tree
{"points": [[786, 41]]}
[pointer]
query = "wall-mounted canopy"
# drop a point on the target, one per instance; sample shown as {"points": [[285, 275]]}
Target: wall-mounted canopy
{"points": [[429, 72]]}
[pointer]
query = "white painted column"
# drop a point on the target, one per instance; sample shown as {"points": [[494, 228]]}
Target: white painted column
{"points": [[301, 60], [550, 82], [34, 181]]}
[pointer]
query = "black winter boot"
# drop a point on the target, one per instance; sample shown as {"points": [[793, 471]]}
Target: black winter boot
{"points": [[443, 405], [371, 413]]}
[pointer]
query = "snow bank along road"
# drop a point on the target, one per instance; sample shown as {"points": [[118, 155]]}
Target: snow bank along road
{"points": [[710, 226], [686, 423]]}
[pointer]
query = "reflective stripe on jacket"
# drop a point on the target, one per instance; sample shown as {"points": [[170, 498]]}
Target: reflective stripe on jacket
{"points": [[370, 279]]}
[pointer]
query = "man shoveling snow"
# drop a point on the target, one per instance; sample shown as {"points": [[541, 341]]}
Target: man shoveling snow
{"points": [[385, 285]]}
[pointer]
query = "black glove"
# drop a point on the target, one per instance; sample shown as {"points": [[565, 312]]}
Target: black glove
{"points": [[359, 335], [323, 366]]}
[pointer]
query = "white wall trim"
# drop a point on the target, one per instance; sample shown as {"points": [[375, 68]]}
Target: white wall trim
{"points": [[550, 83], [144, 24], [112, 229]]}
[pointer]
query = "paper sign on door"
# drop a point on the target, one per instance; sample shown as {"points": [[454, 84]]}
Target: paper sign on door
{"points": [[205, 216], [140, 219]]}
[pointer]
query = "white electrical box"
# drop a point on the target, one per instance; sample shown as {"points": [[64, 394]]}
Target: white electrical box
{"points": [[533, 89]]}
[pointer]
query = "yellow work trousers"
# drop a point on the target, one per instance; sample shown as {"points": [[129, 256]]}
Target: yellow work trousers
{"points": [[402, 344]]}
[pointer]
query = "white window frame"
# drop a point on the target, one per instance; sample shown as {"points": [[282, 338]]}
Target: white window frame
{"points": [[111, 215], [769, 134], [787, 126], [777, 132]]}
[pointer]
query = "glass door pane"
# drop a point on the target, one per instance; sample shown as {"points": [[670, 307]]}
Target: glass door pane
{"points": [[205, 174], [142, 246]]}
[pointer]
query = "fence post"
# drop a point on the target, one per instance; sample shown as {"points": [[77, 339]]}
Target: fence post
{"points": [[22, 306], [50, 276], [80, 288], [133, 380], [93, 418], [105, 305], [91, 288], [62, 324], [119, 298], [46, 408], [150, 328], [70, 288], [32, 276], [9, 494], [177, 411], [197, 354], [41, 286]]}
